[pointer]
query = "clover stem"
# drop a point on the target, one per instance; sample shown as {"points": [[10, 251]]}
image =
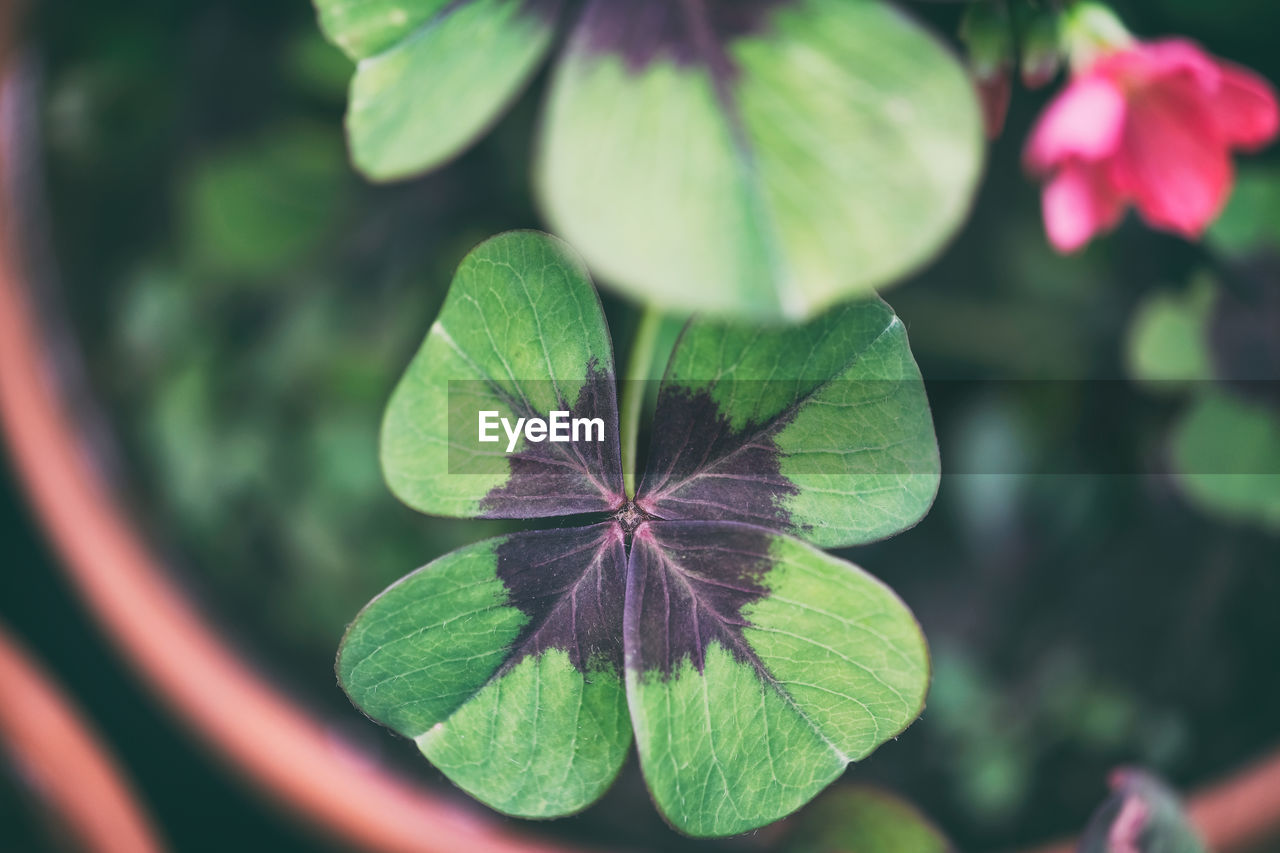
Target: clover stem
{"points": [[639, 366]]}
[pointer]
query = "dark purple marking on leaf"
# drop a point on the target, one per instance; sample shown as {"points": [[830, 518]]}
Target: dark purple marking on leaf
{"points": [[573, 478], [687, 584], [687, 32], [700, 467], [570, 585]]}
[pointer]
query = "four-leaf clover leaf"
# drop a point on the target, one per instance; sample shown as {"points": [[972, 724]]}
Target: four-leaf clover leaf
{"points": [[752, 157], [699, 615]]}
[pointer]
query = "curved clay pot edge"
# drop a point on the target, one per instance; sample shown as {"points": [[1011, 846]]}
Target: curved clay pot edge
{"points": [[280, 747], [65, 762], [288, 753]]}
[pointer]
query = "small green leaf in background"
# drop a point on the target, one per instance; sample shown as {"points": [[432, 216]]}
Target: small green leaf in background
{"points": [[1217, 348], [1141, 814], [1168, 342], [863, 820], [1251, 220], [432, 75], [1226, 458], [257, 209], [766, 159]]}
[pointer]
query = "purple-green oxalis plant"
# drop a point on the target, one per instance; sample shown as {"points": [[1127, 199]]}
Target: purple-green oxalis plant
{"points": [[696, 615]]}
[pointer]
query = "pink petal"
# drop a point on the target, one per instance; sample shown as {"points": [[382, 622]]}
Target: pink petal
{"points": [[1176, 57], [1243, 102], [1085, 121], [1172, 162], [1245, 108], [1078, 203]]}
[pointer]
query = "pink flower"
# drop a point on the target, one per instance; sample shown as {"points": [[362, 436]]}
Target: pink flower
{"points": [[1151, 124]]}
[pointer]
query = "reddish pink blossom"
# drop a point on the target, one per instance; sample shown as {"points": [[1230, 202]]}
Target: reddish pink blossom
{"points": [[1152, 125]]}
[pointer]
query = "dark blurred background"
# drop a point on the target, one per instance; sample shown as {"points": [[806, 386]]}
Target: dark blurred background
{"points": [[243, 303]]}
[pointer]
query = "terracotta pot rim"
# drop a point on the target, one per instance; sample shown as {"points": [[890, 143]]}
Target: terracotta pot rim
{"points": [[65, 762], [288, 752]]}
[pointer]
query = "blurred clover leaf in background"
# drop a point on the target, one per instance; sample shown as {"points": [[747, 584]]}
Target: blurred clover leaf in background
{"points": [[863, 820], [1226, 458], [1250, 224], [696, 613], [1168, 347], [762, 158], [259, 207], [1217, 343]]}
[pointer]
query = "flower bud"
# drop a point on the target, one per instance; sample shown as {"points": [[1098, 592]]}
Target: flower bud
{"points": [[987, 33], [1040, 42]]}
